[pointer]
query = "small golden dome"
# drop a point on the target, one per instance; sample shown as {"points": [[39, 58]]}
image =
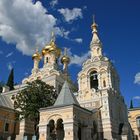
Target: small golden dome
{"points": [[65, 59], [43, 52], [36, 55]]}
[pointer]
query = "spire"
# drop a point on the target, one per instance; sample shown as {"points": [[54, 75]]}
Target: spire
{"points": [[95, 45], [65, 97], [52, 37], [95, 38], [36, 58], [65, 60]]}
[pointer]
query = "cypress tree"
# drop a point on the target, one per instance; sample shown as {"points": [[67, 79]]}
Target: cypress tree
{"points": [[131, 103], [10, 82], [1, 86]]}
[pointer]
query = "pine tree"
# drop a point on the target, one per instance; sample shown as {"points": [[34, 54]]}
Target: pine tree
{"points": [[131, 103], [10, 82]]}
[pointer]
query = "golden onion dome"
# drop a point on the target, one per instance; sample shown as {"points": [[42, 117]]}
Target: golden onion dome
{"points": [[36, 55], [65, 59], [45, 51], [51, 47]]}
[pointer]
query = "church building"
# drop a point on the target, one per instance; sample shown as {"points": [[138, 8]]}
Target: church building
{"points": [[97, 111]]}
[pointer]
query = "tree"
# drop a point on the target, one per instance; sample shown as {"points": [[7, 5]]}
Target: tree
{"points": [[10, 82], [131, 103], [35, 96]]}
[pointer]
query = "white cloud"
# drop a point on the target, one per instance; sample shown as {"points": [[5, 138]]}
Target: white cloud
{"points": [[25, 24], [71, 14], [9, 54], [137, 78], [78, 40], [136, 97], [77, 59], [53, 3], [62, 32]]}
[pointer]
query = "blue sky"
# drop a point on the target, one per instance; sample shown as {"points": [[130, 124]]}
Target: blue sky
{"points": [[25, 25]]}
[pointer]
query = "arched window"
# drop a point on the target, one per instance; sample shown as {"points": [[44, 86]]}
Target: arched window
{"points": [[51, 131], [104, 83], [60, 130], [138, 121], [94, 80]]}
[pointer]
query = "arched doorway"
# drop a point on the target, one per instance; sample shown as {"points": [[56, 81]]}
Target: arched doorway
{"points": [[60, 130], [51, 131]]}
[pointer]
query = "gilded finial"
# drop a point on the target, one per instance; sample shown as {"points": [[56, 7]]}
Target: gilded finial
{"points": [[36, 55], [36, 49], [65, 51], [94, 25], [53, 36], [65, 58], [93, 18]]}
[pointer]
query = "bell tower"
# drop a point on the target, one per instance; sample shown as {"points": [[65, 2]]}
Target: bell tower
{"points": [[99, 89]]}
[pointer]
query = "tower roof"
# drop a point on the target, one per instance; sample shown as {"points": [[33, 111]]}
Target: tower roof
{"points": [[66, 97], [95, 38]]}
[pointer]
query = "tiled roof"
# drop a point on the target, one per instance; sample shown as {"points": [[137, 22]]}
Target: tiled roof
{"points": [[66, 97], [6, 102]]}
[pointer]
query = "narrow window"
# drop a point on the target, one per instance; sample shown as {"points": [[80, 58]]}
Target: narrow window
{"points": [[47, 59], [6, 127], [104, 83], [138, 122], [98, 51]]}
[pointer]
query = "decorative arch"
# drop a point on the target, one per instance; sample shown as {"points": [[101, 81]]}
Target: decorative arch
{"points": [[55, 128], [91, 69], [55, 117]]}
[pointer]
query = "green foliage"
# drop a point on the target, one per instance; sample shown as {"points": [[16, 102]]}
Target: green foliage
{"points": [[10, 82], [131, 104], [35, 96]]}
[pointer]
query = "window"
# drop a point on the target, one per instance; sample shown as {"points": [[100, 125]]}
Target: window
{"points": [[104, 83], [6, 127], [94, 80], [98, 50], [47, 59], [138, 121]]}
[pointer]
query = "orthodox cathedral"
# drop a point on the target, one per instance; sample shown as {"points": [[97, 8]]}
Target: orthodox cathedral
{"points": [[96, 111]]}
